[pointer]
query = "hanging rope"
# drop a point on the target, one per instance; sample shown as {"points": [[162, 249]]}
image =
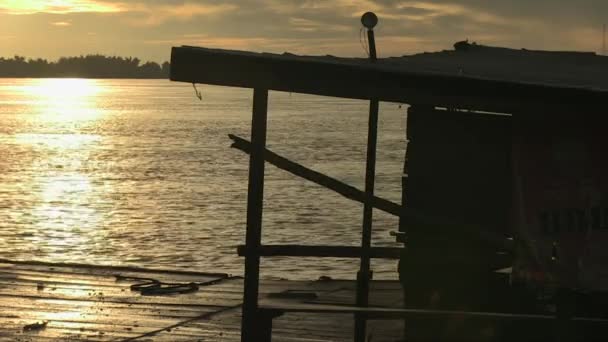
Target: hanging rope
{"points": [[154, 287], [197, 92], [363, 41]]}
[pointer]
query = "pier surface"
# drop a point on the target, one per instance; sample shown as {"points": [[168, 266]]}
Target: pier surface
{"points": [[51, 302]]}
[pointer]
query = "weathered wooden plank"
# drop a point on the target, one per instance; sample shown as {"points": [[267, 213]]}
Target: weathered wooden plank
{"points": [[117, 318], [81, 304], [50, 288], [204, 316], [103, 280], [290, 327], [191, 301], [100, 314], [287, 326], [100, 270], [321, 251], [57, 277], [89, 302], [85, 305], [75, 326], [48, 284], [66, 332], [361, 80], [547, 321]]}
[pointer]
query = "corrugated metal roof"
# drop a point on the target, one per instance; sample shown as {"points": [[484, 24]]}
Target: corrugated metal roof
{"points": [[551, 68], [563, 69]]}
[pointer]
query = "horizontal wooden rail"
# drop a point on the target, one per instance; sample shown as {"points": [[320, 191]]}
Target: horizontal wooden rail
{"points": [[282, 307], [322, 251], [271, 309], [491, 262]]}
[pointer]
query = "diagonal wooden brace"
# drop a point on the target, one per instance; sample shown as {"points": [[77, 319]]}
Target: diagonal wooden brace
{"points": [[343, 189]]}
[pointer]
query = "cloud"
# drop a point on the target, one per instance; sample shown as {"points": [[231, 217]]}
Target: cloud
{"points": [[387, 45], [61, 23], [427, 11], [344, 8], [56, 6], [308, 25], [154, 14], [149, 27], [406, 26]]}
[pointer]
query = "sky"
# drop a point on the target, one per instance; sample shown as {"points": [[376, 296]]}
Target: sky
{"points": [[148, 29]]}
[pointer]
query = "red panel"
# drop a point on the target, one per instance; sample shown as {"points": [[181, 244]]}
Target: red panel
{"points": [[560, 199]]}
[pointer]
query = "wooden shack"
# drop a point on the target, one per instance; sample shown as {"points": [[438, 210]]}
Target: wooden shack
{"points": [[495, 136]]}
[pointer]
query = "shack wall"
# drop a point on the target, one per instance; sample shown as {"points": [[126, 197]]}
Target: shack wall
{"points": [[561, 200]]}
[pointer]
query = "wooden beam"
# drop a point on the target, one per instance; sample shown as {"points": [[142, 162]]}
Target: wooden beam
{"points": [[321, 251], [350, 78], [393, 313], [457, 259], [333, 184], [255, 206], [517, 323], [365, 274]]}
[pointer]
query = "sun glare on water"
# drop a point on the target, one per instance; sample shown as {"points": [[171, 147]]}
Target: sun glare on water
{"points": [[60, 130], [70, 99]]}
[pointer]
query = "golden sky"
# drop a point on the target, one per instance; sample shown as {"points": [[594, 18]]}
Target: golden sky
{"points": [[148, 28]]}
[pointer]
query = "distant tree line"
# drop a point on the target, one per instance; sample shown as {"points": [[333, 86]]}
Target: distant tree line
{"points": [[90, 66]]}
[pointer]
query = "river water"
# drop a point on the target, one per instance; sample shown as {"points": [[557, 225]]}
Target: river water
{"points": [[140, 172]]}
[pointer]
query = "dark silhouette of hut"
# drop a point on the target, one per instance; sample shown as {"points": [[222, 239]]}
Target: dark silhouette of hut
{"points": [[481, 122]]}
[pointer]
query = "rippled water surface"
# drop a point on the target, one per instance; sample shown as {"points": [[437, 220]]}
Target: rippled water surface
{"points": [[140, 172]]}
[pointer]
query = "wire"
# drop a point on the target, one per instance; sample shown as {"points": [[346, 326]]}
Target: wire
{"points": [[363, 41], [154, 287]]}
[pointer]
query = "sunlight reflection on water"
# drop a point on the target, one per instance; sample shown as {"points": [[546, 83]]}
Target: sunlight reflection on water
{"points": [[140, 173]]}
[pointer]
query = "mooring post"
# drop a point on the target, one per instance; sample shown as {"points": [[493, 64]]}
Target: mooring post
{"points": [[250, 329], [369, 20]]}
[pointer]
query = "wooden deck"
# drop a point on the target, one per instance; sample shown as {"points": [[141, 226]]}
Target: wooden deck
{"points": [[88, 303]]}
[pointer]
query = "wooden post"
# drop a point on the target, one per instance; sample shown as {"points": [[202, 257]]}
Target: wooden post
{"points": [[364, 274], [369, 20], [255, 196], [403, 217], [372, 45]]}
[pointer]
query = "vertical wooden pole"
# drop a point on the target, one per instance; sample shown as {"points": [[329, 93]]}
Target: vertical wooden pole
{"points": [[255, 199], [364, 274], [402, 219], [372, 45]]}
